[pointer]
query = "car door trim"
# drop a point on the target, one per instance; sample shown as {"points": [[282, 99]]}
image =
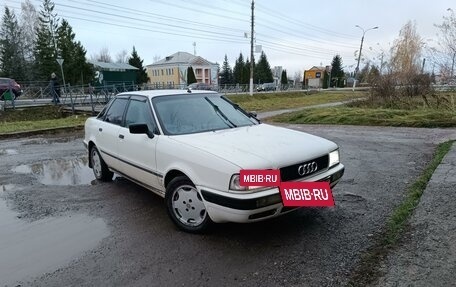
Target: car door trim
{"points": [[132, 164]]}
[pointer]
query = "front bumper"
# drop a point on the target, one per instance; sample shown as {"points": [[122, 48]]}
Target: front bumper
{"points": [[256, 206]]}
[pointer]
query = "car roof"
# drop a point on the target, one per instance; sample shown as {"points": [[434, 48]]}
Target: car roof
{"points": [[157, 93]]}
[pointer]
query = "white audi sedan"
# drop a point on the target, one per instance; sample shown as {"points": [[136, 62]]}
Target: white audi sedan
{"points": [[189, 147]]}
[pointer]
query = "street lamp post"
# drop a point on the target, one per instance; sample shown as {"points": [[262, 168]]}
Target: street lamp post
{"points": [[361, 47]]}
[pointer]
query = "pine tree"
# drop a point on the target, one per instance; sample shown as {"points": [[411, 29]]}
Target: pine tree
{"points": [[262, 70], [46, 44], [246, 74], [190, 76], [337, 73], [239, 70], [135, 61], [284, 78], [12, 61], [75, 66], [226, 74]]}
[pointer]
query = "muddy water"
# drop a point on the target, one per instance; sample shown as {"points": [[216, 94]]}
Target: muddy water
{"points": [[29, 249], [60, 171]]}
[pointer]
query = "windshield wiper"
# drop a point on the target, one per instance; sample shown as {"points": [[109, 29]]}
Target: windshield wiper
{"points": [[219, 112]]}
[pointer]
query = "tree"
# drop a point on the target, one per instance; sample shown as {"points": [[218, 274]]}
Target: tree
{"points": [[46, 47], [284, 78], [103, 56], [122, 56], [406, 52], [75, 66], [245, 80], [190, 76], [29, 23], [262, 70], [12, 61], [238, 70], [337, 73], [447, 43], [226, 75], [325, 80], [135, 61]]}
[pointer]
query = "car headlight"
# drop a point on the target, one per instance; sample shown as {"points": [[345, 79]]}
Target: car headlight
{"points": [[235, 185], [333, 158]]}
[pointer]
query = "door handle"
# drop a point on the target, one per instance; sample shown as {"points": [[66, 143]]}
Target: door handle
{"points": [[100, 129], [121, 136]]}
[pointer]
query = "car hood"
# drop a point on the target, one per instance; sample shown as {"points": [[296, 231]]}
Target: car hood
{"points": [[259, 146]]}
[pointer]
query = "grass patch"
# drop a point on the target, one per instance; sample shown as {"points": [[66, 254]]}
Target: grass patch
{"points": [[22, 126], [261, 102], [37, 118], [425, 118], [368, 270]]}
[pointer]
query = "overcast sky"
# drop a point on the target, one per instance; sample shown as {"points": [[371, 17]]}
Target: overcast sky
{"points": [[294, 34]]}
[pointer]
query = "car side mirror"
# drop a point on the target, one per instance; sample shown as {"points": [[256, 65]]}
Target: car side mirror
{"points": [[140, 129]]}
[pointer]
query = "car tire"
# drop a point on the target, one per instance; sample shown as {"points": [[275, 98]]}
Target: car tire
{"points": [[185, 206], [99, 167]]}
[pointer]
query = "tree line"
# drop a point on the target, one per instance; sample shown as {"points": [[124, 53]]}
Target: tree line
{"points": [[31, 43], [240, 73]]}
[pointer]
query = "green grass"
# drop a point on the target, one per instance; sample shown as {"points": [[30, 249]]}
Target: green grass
{"points": [[368, 270], [261, 102], [371, 117], [37, 118], [21, 126]]}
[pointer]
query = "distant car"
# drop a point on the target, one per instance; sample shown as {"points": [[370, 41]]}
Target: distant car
{"points": [[190, 147], [266, 87], [6, 84], [200, 86]]}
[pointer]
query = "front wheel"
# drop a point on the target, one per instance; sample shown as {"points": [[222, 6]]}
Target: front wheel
{"points": [[185, 206], [99, 167]]}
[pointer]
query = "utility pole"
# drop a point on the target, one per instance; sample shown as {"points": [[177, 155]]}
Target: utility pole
{"points": [[361, 47], [251, 51]]}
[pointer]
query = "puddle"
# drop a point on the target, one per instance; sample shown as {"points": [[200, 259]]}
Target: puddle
{"points": [[60, 172], [8, 152], [30, 249]]}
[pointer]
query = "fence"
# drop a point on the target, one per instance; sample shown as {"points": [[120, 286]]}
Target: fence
{"points": [[94, 98]]}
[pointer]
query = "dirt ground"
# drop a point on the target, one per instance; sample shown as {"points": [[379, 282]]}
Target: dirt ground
{"points": [[60, 227]]}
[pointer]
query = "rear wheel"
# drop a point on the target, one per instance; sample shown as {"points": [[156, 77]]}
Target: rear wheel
{"points": [[185, 206], [99, 167]]}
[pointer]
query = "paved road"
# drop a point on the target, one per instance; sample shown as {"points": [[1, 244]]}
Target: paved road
{"points": [[59, 227]]}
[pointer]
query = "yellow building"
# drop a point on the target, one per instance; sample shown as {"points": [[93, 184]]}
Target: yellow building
{"points": [[313, 78], [171, 72]]}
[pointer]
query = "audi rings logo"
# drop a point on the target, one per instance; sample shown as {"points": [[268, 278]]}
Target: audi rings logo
{"points": [[305, 169]]}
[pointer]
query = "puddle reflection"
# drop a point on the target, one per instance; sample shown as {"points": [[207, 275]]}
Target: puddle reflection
{"points": [[60, 172]]}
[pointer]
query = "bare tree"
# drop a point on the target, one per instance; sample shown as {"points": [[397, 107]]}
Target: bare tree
{"points": [[103, 56], [446, 55], [29, 23], [297, 77], [406, 52], [122, 57]]}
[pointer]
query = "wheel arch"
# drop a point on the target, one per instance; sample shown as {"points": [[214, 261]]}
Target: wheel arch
{"points": [[173, 173]]}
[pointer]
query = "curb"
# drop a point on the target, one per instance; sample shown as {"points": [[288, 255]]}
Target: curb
{"points": [[41, 132]]}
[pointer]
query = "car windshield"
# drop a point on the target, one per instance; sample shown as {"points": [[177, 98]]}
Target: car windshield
{"points": [[195, 113]]}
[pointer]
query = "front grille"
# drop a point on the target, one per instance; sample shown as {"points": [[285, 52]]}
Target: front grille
{"points": [[292, 172]]}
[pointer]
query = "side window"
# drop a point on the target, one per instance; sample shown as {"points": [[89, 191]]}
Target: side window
{"points": [[138, 112], [116, 111]]}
